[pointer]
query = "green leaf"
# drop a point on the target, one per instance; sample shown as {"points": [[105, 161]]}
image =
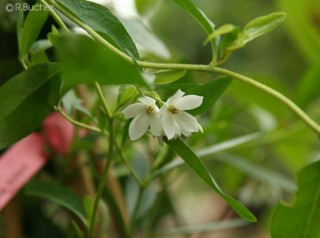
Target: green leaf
{"points": [[168, 76], [197, 14], [300, 219], [25, 100], [196, 164], [258, 27], [225, 29], [210, 91], [84, 60], [58, 194], [101, 19], [31, 29]]}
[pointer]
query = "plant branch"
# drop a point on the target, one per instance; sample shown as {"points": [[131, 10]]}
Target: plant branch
{"points": [[203, 68]]}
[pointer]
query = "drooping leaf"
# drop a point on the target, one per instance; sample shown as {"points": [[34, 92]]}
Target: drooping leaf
{"points": [[196, 164], [25, 100], [201, 18], [101, 19], [210, 91], [31, 29], [168, 76], [58, 194], [258, 27], [197, 14], [83, 60], [300, 219]]}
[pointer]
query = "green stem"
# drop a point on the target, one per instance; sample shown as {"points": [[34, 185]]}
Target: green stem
{"points": [[102, 180], [55, 15], [103, 100], [203, 68], [77, 123]]}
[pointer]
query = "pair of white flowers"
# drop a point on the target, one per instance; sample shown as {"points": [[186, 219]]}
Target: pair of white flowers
{"points": [[171, 120]]}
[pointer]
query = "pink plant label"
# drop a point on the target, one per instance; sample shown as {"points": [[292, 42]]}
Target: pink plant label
{"points": [[18, 164]]}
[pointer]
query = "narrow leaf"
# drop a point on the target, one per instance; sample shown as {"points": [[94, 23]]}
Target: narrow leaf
{"points": [[58, 194], [258, 27], [25, 100], [196, 164], [300, 219], [210, 91], [227, 28], [101, 19], [31, 29], [84, 60]]}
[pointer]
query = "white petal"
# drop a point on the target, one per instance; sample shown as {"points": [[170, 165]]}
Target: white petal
{"points": [[175, 97], [189, 102], [134, 110], [155, 124], [186, 122], [170, 127], [147, 100], [139, 126]]}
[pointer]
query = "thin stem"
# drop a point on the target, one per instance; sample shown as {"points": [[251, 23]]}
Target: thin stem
{"points": [[102, 180], [77, 123], [55, 16], [103, 100]]}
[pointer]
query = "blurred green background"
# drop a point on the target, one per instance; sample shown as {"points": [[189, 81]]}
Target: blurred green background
{"points": [[261, 171]]}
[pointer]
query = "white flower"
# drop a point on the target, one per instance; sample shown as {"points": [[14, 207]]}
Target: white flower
{"points": [[146, 115], [174, 120]]}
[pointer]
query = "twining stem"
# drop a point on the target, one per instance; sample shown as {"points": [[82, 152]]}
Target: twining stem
{"points": [[203, 68]]}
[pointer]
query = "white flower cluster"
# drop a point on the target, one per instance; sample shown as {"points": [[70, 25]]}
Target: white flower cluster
{"points": [[171, 120]]}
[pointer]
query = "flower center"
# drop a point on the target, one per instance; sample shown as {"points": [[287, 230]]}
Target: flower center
{"points": [[173, 109], [150, 109]]}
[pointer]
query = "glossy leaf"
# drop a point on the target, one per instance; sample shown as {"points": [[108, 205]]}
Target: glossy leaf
{"points": [[168, 76], [210, 91], [258, 27], [31, 29], [25, 100], [300, 219], [196, 164], [101, 19], [92, 63], [58, 194]]}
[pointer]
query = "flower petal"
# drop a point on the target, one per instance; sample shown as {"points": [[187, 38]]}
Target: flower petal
{"points": [[189, 102], [139, 126], [170, 127], [134, 110], [175, 97], [186, 122], [155, 124], [147, 100]]}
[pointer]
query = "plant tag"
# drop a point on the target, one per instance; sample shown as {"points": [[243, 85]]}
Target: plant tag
{"points": [[18, 164]]}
